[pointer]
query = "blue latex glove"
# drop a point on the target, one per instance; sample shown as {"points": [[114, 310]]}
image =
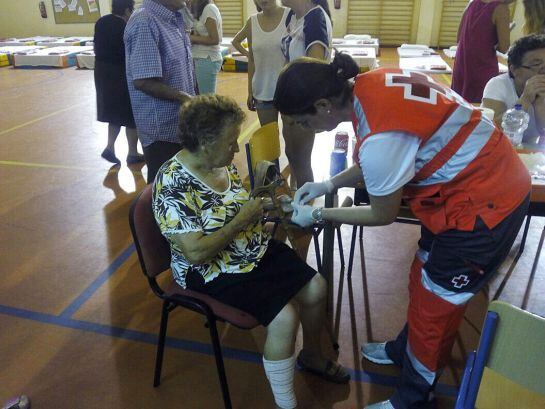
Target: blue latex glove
{"points": [[302, 215]]}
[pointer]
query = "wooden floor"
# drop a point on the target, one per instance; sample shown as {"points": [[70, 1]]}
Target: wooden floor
{"points": [[78, 322]]}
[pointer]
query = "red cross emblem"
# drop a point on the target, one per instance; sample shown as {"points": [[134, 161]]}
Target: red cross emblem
{"points": [[461, 281], [417, 86]]}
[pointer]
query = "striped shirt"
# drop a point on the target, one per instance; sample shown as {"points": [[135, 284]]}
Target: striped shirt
{"points": [[157, 46]]}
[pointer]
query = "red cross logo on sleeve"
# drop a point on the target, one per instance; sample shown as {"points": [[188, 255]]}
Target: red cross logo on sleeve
{"points": [[418, 86]]}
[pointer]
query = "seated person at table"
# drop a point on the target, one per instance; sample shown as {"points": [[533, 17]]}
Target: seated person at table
{"points": [[219, 246], [524, 84]]}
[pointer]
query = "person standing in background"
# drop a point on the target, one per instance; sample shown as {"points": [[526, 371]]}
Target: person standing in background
{"points": [[484, 29], [534, 16], [308, 33], [205, 38], [265, 59], [160, 76], [113, 102]]}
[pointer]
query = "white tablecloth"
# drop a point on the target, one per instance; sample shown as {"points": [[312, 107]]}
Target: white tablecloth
{"points": [[430, 64]]}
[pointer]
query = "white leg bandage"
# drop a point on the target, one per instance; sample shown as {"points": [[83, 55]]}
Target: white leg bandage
{"points": [[280, 375]]}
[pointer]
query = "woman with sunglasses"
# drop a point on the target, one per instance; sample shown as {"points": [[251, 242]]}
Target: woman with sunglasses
{"points": [[524, 84]]}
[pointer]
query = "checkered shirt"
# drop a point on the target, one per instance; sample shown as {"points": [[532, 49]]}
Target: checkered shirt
{"points": [[157, 46]]}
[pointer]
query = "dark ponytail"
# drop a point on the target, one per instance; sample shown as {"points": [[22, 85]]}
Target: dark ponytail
{"points": [[324, 4], [306, 80]]}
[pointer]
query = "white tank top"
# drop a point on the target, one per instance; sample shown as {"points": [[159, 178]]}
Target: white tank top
{"points": [[268, 58]]}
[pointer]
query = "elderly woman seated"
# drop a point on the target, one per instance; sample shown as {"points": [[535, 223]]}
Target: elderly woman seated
{"points": [[219, 246]]}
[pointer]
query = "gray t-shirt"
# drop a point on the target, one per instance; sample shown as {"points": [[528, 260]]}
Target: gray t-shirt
{"points": [[502, 88]]}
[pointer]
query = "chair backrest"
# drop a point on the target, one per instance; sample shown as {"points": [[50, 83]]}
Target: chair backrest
{"points": [[264, 145], [514, 375], [152, 248]]}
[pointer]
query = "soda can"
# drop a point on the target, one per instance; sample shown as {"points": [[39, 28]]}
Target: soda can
{"points": [[341, 140], [338, 162]]}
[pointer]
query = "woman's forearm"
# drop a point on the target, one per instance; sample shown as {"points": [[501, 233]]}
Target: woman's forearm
{"points": [[539, 112], [251, 71], [348, 178], [204, 40], [203, 248], [359, 215], [383, 211]]}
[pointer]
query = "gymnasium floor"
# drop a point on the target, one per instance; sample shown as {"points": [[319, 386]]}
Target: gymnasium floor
{"points": [[78, 322]]}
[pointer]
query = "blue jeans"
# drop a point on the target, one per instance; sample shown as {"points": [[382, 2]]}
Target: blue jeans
{"points": [[206, 71]]}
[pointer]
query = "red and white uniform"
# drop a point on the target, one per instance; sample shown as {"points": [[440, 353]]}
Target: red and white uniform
{"points": [[465, 183]]}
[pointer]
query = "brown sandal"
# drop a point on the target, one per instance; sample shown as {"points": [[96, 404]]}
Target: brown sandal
{"points": [[333, 372]]}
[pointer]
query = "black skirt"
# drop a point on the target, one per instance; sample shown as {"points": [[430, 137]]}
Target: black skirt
{"points": [[113, 102], [265, 290]]}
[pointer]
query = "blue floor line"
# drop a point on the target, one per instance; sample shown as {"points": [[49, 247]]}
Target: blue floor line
{"points": [[191, 346], [95, 285]]}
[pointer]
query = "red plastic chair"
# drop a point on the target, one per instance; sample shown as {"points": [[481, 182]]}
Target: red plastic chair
{"points": [[154, 255]]}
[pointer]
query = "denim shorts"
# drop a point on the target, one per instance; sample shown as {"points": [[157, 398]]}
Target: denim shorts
{"points": [[262, 105]]}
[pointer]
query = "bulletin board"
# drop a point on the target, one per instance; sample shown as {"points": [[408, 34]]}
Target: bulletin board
{"points": [[76, 11]]}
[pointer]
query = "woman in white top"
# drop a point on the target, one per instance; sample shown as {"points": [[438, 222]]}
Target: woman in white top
{"points": [[524, 84], [206, 37], [264, 32], [308, 33]]}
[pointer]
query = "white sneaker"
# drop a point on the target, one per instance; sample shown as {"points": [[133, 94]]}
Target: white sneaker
{"points": [[376, 352], [380, 405]]}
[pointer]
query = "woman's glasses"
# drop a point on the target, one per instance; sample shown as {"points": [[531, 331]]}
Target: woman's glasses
{"points": [[536, 67]]}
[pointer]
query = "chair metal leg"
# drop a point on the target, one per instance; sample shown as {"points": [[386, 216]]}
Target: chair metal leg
{"points": [[533, 271], [525, 234], [161, 344], [315, 235], [352, 247], [361, 232], [340, 243], [219, 363]]}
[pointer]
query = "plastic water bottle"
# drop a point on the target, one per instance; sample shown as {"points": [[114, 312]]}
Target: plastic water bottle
{"points": [[514, 123]]}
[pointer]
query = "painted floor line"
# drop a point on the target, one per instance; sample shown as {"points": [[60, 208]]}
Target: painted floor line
{"points": [[192, 346], [97, 283], [113, 169], [42, 165], [42, 118]]}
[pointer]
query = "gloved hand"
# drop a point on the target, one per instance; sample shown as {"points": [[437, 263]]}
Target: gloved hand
{"points": [[302, 215], [312, 190]]}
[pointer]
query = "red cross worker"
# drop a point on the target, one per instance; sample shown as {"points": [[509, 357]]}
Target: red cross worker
{"points": [[421, 143]]}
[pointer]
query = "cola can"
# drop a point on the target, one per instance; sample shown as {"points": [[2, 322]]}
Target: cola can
{"points": [[341, 140], [338, 162]]}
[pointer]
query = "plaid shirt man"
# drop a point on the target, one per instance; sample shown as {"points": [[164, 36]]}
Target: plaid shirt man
{"points": [[157, 46]]}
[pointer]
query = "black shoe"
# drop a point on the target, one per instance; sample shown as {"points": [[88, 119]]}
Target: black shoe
{"points": [[110, 156], [132, 159]]}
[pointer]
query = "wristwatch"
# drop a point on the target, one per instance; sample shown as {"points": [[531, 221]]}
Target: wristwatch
{"points": [[317, 215]]}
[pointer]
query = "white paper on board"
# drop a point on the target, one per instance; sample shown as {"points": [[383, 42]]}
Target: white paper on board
{"points": [[73, 5], [92, 4], [59, 5]]}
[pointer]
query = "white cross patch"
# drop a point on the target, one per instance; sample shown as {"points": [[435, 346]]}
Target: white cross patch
{"points": [[461, 281]]}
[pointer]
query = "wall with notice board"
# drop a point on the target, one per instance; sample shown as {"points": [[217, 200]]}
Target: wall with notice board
{"points": [[76, 11], [21, 18]]}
